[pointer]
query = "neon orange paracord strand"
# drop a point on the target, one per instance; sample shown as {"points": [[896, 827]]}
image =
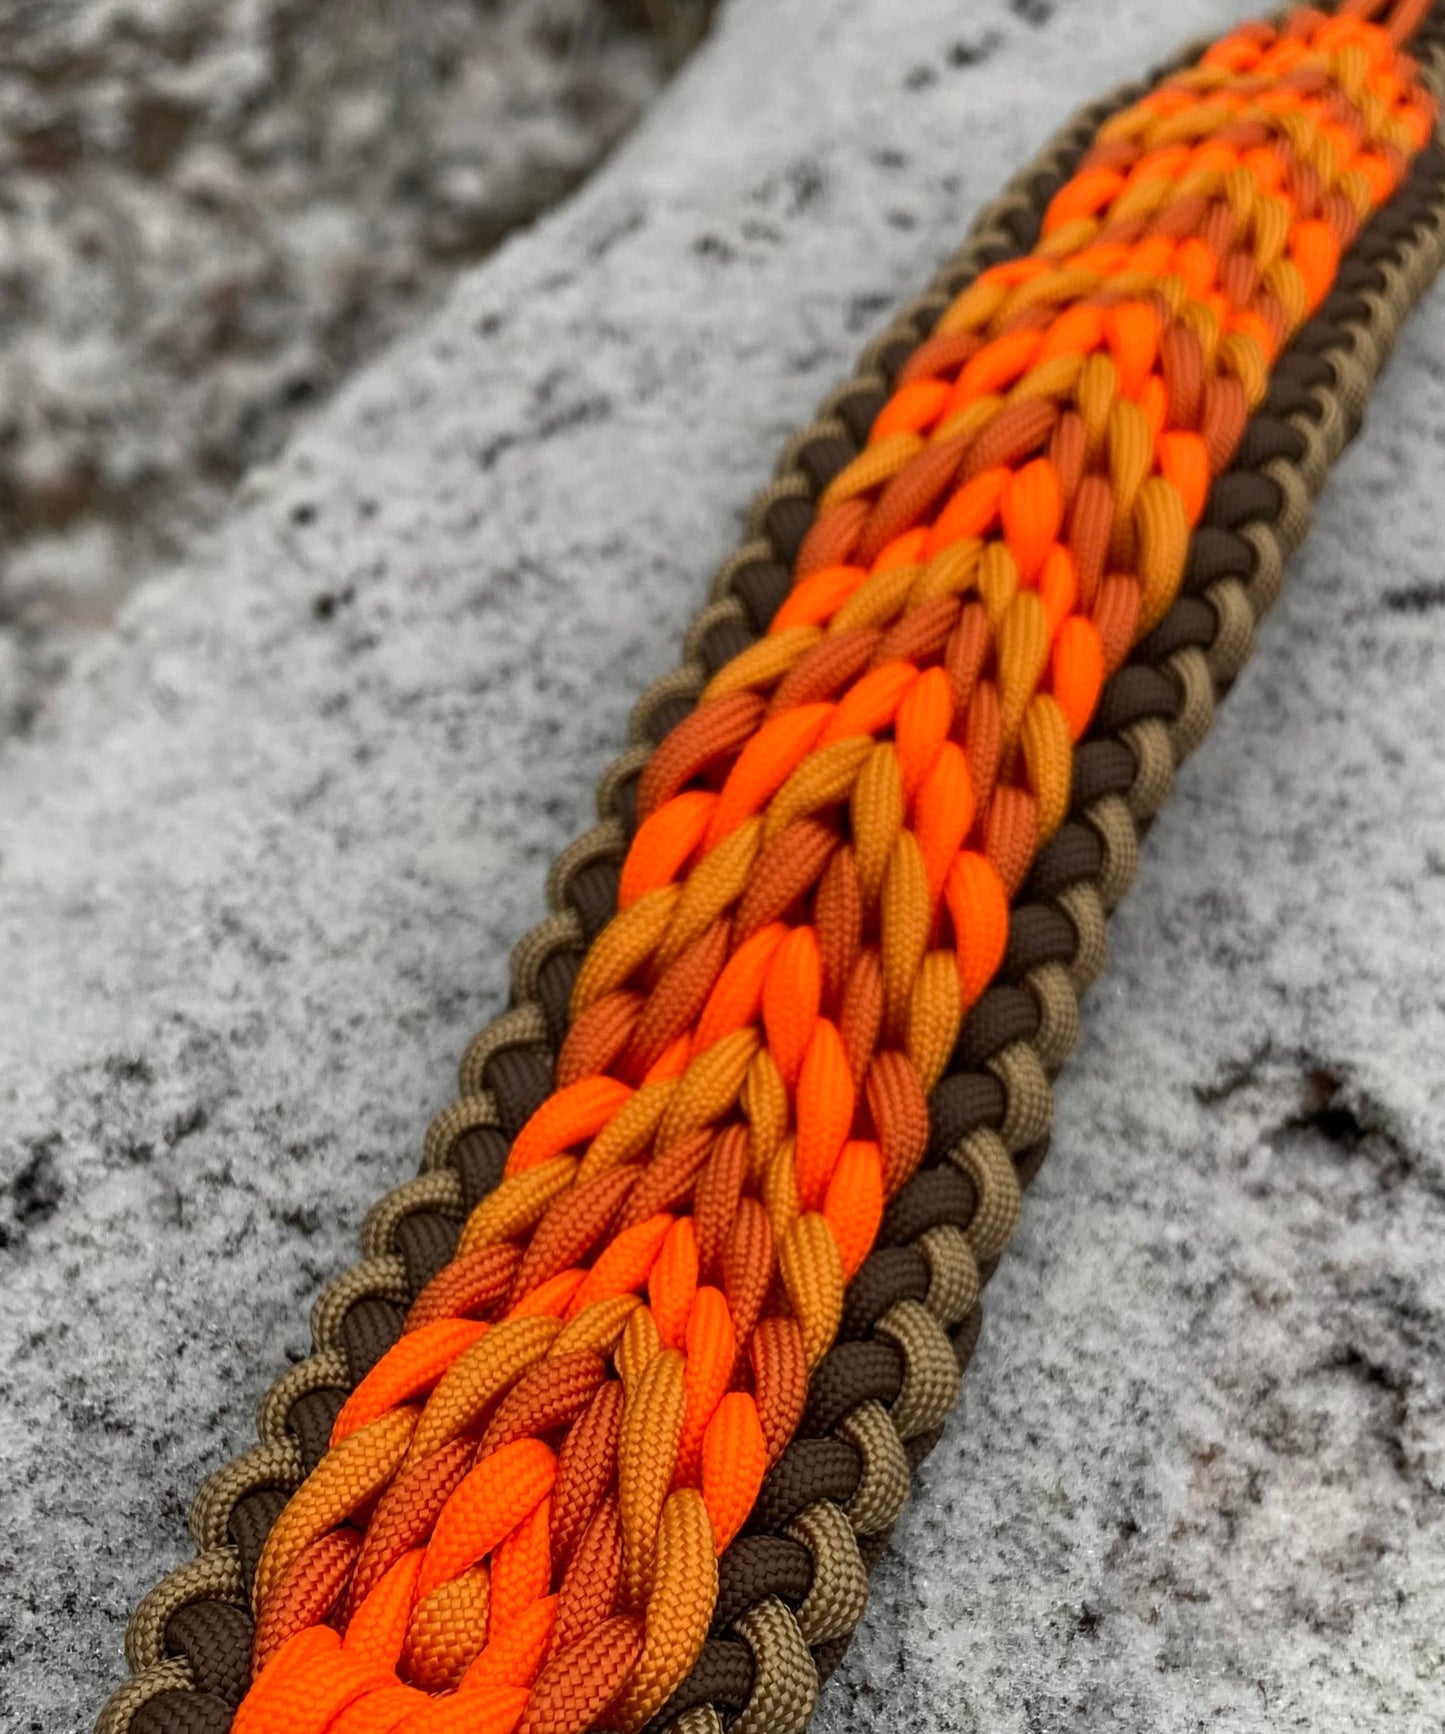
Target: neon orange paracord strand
{"points": [[518, 1521]]}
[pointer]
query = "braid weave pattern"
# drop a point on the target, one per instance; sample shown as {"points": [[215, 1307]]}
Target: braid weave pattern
{"points": [[519, 1518]]}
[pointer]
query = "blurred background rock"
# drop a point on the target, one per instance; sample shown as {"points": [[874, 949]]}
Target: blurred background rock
{"points": [[212, 210]]}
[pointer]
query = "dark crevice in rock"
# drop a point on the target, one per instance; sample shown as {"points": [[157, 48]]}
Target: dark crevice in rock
{"points": [[35, 1193], [1034, 13], [1414, 598], [1234, 1078]]}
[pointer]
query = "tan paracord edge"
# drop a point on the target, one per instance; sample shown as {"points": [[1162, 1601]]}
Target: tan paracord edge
{"points": [[784, 1675]]}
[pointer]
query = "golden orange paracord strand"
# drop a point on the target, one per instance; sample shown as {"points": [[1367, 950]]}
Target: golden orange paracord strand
{"points": [[518, 1521]]}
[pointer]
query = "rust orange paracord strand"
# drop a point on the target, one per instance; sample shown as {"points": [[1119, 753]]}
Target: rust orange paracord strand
{"points": [[817, 892], [518, 1521]]}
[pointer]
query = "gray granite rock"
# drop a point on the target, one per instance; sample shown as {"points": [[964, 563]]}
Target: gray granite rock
{"points": [[263, 860], [216, 210]]}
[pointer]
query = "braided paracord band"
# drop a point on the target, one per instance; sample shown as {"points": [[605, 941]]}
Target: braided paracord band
{"points": [[599, 1596]]}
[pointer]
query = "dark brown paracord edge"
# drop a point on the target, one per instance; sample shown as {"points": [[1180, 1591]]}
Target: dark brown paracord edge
{"points": [[188, 1642], [888, 1370], [793, 1585]]}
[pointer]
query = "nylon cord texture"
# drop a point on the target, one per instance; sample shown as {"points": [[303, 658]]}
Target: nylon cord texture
{"points": [[608, 1426]]}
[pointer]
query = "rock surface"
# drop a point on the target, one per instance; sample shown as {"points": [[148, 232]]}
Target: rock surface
{"points": [[262, 860], [214, 210]]}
